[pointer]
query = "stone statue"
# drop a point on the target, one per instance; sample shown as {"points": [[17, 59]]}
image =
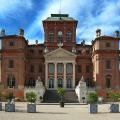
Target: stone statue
{"points": [[81, 91], [39, 89]]}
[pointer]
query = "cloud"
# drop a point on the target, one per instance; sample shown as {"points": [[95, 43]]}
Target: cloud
{"points": [[12, 8], [91, 14], [53, 6]]}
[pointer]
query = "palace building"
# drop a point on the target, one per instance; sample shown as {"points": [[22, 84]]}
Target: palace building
{"points": [[60, 61]]}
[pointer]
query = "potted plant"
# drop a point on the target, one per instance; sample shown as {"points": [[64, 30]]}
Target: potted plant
{"points": [[92, 100], [31, 98], [10, 105], [113, 97], [61, 93]]}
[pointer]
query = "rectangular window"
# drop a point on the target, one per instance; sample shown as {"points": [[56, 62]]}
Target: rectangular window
{"points": [[31, 51], [79, 51], [108, 44], [40, 51], [51, 68], [51, 37], [79, 68], [60, 68], [108, 64], [69, 68], [40, 68], [31, 68], [11, 43], [87, 69], [11, 64], [69, 35]]}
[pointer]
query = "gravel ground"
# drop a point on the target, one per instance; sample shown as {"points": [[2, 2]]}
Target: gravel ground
{"points": [[54, 112]]}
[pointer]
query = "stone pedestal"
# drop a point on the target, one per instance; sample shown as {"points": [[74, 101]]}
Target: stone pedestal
{"points": [[31, 108], [0, 106], [39, 90], [93, 108], [81, 91], [9, 107], [114, 108]]}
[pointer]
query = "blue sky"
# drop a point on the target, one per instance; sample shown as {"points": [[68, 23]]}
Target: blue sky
{"points": [[91, 14]]}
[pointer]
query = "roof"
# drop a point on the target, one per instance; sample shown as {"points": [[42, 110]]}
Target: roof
{"points": [[104, 38], [9, 36], [13, 36], [60, 17], [81, 45], [34, 45]]}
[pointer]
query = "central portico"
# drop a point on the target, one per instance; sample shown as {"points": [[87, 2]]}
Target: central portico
{"points": [[60, 69]]}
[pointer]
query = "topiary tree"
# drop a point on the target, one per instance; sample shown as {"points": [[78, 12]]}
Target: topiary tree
{"points": [[31, 97], [61, 93], [92, 98]]}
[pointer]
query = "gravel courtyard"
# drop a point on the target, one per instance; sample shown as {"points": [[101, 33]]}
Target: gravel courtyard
{"points": [[54, 112]]}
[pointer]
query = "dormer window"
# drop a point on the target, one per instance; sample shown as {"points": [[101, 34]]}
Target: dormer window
{"points": [[12, 43], [69, 35], [60, 36]]}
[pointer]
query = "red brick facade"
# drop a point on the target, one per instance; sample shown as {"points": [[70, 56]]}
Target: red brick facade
{"points": [[91, 60]]}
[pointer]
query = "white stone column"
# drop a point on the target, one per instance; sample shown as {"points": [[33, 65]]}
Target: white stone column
{"points": [[73, 76], [46, 75], [64, 77], [55, 76]]}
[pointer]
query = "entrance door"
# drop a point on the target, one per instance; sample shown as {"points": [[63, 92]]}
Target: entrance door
{"points": [[60, 82]]}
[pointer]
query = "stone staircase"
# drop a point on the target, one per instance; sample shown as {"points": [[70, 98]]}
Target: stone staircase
{"points": [[52, 97]]}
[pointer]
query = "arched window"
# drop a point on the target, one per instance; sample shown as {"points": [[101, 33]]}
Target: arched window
{"points": [[30, 83], [51, 82], [60, 82], [69, 82], [88, 82], [60, 36], [108, 81], [69, 35], [51, 37], [11, 81]]}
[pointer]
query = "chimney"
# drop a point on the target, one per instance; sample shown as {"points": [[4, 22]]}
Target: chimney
{"points": [[21, 32], [98, 32], [116, 34], [2, 32]]}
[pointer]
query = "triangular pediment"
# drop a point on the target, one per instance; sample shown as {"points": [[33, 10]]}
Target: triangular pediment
{"points": [[60, 52]]}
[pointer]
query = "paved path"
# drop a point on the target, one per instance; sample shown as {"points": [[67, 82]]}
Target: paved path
{"points": [[54, 112]]}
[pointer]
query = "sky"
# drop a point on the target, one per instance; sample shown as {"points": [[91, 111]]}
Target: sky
{"points": [[91, 14]]}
